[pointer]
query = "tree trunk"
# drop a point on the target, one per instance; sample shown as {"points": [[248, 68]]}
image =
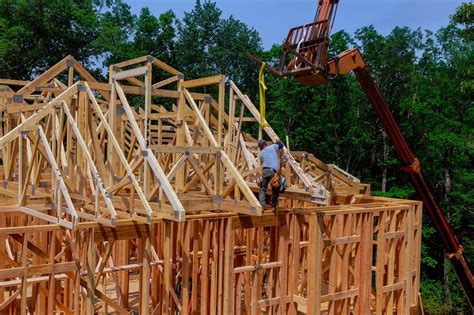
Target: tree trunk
{"points": [[385, 159], [373, 163], [447, 183], [447, 190], [447, 292]]}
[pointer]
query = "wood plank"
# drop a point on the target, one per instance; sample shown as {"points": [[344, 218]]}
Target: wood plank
{"points": [[203, 81], [38, 270], [315, 265]]}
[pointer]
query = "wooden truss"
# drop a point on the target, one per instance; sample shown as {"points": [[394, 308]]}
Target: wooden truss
{"points": [[164, 162], [139, 194]]}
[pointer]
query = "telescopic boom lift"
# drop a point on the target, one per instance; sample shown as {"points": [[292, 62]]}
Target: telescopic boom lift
{"points": [[304, 57]]}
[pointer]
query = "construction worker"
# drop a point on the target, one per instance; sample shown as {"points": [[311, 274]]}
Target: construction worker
{"points": [[270, 166]]}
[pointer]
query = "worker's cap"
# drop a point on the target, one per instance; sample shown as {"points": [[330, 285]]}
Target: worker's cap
{"points": [[261, 143]]}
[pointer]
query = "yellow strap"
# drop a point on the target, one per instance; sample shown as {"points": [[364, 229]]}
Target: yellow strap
{"points": [[262, 89]]}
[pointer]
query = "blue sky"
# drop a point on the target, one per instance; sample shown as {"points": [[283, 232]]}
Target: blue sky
{"points": [[273, 18]]}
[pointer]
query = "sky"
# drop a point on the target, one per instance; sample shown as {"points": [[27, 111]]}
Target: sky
{"points": [[274, 18]]}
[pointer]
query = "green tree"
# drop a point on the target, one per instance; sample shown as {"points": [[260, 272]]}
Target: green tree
{"points": [[448, 112], [464, 16], [207, 45], [196, 36], [392, 61], [34, 35], [126, 36], [116, 29], [232, 42]]}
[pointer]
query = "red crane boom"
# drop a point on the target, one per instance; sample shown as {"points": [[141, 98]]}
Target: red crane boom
{"points": [[304, 56]]}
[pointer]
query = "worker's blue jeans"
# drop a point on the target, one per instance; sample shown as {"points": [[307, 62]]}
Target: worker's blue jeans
{"points": [[267, 175]]}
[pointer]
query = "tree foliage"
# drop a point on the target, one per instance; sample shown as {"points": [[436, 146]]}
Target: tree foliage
{"points": [[208, 44], [36, 34]]}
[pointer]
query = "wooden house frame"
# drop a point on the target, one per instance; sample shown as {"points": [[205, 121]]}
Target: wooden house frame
{"points": [[139, 194]]}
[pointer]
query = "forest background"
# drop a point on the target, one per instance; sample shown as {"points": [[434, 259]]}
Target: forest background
{"points": [[427, 78]]}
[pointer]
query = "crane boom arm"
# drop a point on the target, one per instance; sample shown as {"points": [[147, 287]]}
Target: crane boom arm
{"points": [[352, 60], [304, 57]]}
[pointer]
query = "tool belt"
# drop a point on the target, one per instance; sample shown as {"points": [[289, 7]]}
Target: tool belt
{"points": [[275, 181]]}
